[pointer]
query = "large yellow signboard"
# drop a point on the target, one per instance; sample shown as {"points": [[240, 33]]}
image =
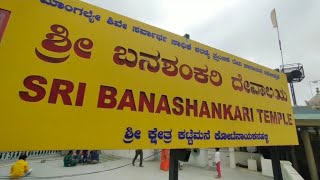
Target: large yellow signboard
{"points": [[74, 76]]}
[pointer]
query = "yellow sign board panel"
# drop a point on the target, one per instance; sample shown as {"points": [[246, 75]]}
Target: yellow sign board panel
{"points": [[74, 76]]}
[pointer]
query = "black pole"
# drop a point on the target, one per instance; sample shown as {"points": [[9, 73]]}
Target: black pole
{"points": [[276, 167], [293, 94], [174, 165]]}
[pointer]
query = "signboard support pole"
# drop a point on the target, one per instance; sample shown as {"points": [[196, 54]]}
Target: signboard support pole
{"points": [[276, 167], [174, 165]]}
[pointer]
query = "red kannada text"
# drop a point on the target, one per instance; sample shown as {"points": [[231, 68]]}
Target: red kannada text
{"points": [[58, 42], [171, 68]]}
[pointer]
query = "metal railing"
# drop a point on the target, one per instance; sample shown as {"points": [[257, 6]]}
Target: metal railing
{"points": [[11, 155]]}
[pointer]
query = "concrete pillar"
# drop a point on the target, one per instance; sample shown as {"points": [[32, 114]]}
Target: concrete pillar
{"points": [[294, 159], [309, 154], [232, 158], [199, 158]]}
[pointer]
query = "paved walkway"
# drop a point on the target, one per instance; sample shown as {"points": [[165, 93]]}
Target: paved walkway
{"points": [[54, 168]]}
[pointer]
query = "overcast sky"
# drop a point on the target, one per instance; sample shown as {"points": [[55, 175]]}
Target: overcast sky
{"points": [[240, 27]]}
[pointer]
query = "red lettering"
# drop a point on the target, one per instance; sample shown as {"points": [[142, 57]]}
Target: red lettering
{"points": [[64, 93], [266, 116], [273, 117], [193, 107], [4, 18], [170, 67], [185, 75], [80, 94], [82, 47], [237, 114], [127, 100], [284, 119], [111, 97], [245, 113], [144, 101], [121, 51], [227, 112], [177, 102], [201, 75], [153, 65], [31, 85], [120, 57], [279, 117], [289, 119], [57, 41], [213, 75], [204, 110], [163, 105], [216, 110], [251, 112], [260, 112]]}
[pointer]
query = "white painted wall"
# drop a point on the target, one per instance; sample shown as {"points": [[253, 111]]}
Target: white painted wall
{"points": [[242, 158], [199, 159], [224, 157], [266, 167], [288, 172]]}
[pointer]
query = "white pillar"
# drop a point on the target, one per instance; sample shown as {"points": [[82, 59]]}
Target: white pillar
{"points": [[309, 154], [199, 158], [232, 158]]}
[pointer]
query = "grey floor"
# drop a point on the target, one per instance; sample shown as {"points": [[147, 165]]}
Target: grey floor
{"points": [[53, 169]]}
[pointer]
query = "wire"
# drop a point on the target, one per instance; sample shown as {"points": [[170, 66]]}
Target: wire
{"points": [[96, 172], [80, 174]]}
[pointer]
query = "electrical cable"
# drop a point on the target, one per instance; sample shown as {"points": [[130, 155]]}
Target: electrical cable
{"points": [[96, 172], [80, 174]]}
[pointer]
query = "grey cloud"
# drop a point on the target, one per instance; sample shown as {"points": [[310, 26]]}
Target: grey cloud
{"points": [[141, 10], [244, 29]]}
